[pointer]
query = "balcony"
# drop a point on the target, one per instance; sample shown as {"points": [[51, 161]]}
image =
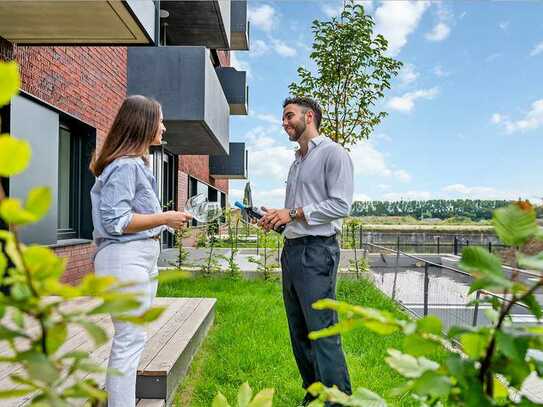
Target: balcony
{"points": [[239, 40], [183, 80], [234, 85], [232, 166], [78, 22], [205, 23]]}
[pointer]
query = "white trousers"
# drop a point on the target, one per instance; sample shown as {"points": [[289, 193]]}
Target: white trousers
{"points": [[134, 262]]}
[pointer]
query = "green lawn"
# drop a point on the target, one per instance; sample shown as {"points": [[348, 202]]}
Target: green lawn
{"points": [[249, 342]]}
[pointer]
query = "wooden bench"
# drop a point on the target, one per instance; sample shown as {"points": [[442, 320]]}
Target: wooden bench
{"points": [[172, 341]]}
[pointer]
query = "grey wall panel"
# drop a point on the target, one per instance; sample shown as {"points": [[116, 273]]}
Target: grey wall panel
{"points": [[40, 126], [144, 10], [216, 107], [224, 6]]}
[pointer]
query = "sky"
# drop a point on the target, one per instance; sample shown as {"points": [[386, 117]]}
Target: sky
{"points": [[465, 113]]}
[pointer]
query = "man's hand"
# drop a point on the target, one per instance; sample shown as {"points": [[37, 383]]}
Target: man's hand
{"points": [[274, 218]]}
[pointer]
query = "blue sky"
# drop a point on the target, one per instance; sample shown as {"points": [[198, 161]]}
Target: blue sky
{"points": [[465, 114]]}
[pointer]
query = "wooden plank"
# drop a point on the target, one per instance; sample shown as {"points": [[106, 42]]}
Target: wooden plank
{"points": [[151, 403], [163, 361], [161, 338]]}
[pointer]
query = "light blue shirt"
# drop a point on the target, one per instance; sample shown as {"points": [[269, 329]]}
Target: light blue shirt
{"points": [[125, 187], [321, 182]]}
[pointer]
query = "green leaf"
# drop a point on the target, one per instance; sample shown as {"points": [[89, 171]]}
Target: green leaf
{"points": [[368, 398], [485, 267], [3, 265], [220, 401], [10, 82], [94, 285], [531, 262], [97, 333], [430, 324], [38, 201], [7, 394], [56, 336], [17, 318], [531, 302], [148, 316], [514, 348], [13, 213], [14, 155], [500, 390], [418, 346], [432, 384], [474, 344], [382, 328], [10, 248], [38, 366], [409, 366], [20, 292], [264, 398], [116, 305], [43, 263], [341, 327], [515, 224], [244, 395]]}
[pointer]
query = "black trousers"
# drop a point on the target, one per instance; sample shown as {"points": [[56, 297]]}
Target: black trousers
{"points": [[309, 266]]}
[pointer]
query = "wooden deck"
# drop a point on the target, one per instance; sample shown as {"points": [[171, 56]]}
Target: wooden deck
{"points": [[172, 341]]}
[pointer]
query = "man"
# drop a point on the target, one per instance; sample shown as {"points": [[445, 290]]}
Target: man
{"points": [[319, 193]]}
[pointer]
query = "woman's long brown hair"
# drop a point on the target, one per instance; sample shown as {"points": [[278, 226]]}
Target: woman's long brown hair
{"points": [[131, 133]]}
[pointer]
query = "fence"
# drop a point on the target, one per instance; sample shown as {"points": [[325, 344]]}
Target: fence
{"points": [[429, 288], [435, 242]]}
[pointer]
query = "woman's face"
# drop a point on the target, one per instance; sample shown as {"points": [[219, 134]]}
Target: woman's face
{"points": [[161, 129]]}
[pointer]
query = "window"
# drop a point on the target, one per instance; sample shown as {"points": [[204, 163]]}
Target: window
{"points": [[69, 185]]}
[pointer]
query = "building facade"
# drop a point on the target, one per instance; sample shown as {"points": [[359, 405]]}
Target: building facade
{"points": [[75, 74]]}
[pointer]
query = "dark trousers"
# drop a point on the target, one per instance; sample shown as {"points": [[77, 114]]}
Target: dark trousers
{"points": [[309, 266]]}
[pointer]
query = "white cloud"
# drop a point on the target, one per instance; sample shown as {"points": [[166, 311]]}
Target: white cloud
{"points": [[496, 118], [267, 117], [504, 25], [531, 121], [267, 157], [440, 32], [395, 20], [368, 161], [440, 72], [402, 175], [240, 64], [538, 49], [258, 47], [408, 74], [406, 102], [262, 17], [407, 196], [235, 194], [271, 198], [383, 186], [283, 49]]}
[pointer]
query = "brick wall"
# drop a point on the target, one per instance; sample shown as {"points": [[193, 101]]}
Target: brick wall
{"points": [[224, 58], [79, 261], [197, 166], [182, 189], [88, 83]]}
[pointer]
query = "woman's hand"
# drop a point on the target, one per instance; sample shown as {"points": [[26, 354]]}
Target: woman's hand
{"points": [[176, 219]]}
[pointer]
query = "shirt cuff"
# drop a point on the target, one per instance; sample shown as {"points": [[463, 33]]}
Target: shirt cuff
{"points": [[308, 211]]}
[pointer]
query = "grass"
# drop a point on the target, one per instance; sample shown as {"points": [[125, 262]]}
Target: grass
{"points": [[249, 342]]}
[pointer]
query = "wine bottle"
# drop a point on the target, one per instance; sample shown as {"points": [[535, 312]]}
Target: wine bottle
{"points": [[256, 213]]}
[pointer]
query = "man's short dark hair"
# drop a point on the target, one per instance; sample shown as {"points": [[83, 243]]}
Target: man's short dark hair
{"points": [[307, 104]]}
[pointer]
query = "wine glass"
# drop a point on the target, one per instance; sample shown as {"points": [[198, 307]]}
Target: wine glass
{"points": [[202, 209]]}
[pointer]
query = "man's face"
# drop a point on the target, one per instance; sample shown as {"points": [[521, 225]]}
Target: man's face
{"points": [[294, 121]]}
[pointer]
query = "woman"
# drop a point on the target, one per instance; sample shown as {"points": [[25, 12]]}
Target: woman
{"points": [[128, 221]]}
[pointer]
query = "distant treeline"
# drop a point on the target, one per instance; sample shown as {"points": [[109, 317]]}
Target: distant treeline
{"points": [[474, 209]]}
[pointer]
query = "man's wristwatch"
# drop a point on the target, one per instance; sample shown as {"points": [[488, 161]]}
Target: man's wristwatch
{"points": [[292, 213]]}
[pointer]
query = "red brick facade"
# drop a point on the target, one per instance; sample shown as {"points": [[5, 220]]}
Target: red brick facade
{"points": [[90, 84]]}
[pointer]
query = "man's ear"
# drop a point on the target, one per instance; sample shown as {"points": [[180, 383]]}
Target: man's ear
{"points": [[310, 116]]}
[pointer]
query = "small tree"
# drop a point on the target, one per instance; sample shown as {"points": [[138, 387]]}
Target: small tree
{"points": [[353, 73]]}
